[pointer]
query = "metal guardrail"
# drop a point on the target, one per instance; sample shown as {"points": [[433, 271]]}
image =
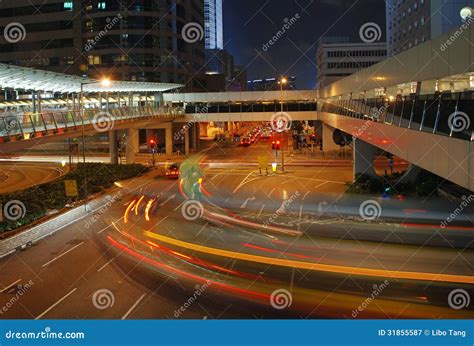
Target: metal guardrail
{"points": [[30, 125]]}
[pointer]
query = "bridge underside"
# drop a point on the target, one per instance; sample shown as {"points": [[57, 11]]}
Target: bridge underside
{"points": [[447, 157]]}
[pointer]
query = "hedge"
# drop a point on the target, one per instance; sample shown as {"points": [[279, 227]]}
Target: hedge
{"points": [[39, 199]]}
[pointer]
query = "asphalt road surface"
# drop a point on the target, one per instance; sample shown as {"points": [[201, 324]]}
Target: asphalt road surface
{"points": [[244, 256]]}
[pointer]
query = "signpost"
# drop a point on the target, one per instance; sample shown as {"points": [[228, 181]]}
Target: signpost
{"points": [[71, 188]]}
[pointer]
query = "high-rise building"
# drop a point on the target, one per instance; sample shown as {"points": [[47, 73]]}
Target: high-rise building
{"points": [[124, 40], [213, 22], [412, 22], [337, 58]]}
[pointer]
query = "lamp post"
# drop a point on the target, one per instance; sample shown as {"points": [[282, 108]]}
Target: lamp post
{"points": [[282, 82], [104, 83]]}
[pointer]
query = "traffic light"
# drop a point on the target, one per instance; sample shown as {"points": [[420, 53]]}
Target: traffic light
{"points": [[277, 145]]}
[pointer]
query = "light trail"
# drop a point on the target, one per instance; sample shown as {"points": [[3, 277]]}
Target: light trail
{"points": [[316, 266]]}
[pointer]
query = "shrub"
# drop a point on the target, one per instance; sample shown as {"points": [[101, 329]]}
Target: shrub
{"points": [[49, 196]]}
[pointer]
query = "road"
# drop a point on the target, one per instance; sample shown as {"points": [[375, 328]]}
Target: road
{"points": [[19, 176], [241, 251]]}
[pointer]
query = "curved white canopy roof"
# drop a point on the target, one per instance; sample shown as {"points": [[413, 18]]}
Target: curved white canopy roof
{"points": [[30, 79]]}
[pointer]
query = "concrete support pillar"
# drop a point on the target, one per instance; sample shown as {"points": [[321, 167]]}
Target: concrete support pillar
{"points": [[113, 147], [186, 142], [169, 139], [411, 175], [328, 140], [195, 130], [364, 154], [230, 126], [132, 145]]}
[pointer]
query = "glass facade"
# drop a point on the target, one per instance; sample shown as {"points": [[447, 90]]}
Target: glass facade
{"points": [[412, 22], [213, 20]]}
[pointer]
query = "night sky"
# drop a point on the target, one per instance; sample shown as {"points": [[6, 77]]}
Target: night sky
{"points": [[248, 24]]}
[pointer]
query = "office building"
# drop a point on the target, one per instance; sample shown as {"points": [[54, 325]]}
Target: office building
{"points": [[337, 58], [135, 40], [412, 22], [213, 20]]}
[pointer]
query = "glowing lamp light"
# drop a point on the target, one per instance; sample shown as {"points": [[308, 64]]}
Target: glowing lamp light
{"points": [[105, 82], [466, 13], [274, 166]]}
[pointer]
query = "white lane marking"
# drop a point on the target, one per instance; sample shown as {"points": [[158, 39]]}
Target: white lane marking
{"points": [[10, 286], [133, 307], [261, 209], [319, 185], [169, 199], [55, 304], [105, 265], [244, 205], [61, 255], [245, 181], [271, 192]]}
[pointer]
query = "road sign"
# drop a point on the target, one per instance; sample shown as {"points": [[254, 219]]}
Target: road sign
{"points": [[263, 162], [71, 188]]}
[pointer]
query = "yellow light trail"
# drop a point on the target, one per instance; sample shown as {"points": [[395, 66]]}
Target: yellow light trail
{"points": [[315, 266]]}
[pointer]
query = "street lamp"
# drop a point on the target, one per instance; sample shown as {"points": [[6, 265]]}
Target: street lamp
{"points": [[105, 82], [282, 82]]}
